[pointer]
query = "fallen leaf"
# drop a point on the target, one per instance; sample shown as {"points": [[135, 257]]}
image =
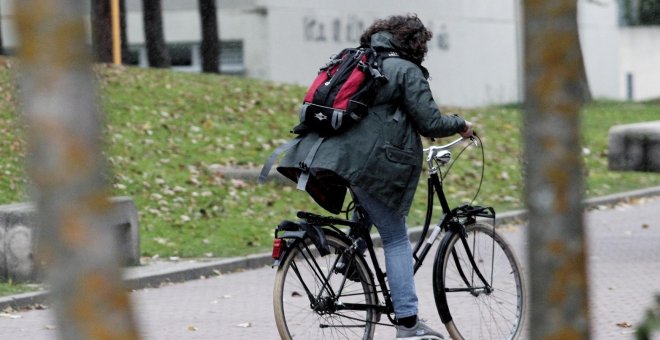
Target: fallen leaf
{"points": [[240, 184], [192, 328], [624, 324]]}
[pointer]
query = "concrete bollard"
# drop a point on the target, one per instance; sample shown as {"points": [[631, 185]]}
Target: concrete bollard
{"points": [[635, 147], [18, 237]]}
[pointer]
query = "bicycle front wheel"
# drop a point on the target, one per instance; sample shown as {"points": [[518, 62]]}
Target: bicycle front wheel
{"points": [[312, 300], [488, 303]]}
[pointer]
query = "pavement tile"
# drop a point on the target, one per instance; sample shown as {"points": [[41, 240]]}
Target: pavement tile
{"points": [[623, 255]]}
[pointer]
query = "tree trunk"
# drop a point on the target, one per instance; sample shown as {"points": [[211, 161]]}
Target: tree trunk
{"points": [[210, 48], [554, 185], [584, 81], [2, 45], [585, 91], [67, 170], [101, 31], [157, 52], [124, 35]]}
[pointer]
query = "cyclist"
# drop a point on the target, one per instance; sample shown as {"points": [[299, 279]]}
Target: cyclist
{"points": [[381, 157]]}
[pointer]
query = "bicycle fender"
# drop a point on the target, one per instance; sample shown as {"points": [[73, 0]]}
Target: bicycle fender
{"points": [[317, 236], [300, 230], [441, 298]]}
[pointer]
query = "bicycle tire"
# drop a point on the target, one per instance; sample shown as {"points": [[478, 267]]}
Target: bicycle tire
{"points": [[468, 310], [295, 315]]}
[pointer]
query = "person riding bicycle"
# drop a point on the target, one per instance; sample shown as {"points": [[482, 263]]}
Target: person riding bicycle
{"points": [[380, 158]]}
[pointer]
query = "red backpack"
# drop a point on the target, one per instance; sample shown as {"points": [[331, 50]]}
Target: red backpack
{"points": [[343, 89], [337, 99]]}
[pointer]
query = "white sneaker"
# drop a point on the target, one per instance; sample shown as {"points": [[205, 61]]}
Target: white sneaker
{"points": [[418, 332]]}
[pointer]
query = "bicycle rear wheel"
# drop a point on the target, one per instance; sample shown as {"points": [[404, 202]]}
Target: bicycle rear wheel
{"points": [[312, 300], [470, 308]]}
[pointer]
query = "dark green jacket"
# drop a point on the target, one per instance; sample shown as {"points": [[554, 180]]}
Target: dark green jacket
{"points": [[382, 154]]}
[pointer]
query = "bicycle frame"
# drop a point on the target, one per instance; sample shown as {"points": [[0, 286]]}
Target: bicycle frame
{"points": [[448, 222], [327, 224], [439, 156], [316, 226]]}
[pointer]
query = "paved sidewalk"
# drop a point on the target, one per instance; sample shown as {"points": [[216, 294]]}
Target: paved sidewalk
{"points": [[156, 273], [623, 247]]}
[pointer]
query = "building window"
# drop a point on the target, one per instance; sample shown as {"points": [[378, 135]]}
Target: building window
{"points": [[132, 56], [186, 57], [181, 55], [231, 57]]}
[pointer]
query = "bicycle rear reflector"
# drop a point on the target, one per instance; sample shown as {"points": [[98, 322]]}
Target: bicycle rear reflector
{"points": [[278, 248]]}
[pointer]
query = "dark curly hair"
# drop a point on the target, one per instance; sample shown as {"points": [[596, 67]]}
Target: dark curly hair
{"points": [[410, 35]]}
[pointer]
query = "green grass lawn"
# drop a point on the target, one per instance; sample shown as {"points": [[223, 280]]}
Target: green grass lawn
{"points": [[13, 289], [167, 131]]}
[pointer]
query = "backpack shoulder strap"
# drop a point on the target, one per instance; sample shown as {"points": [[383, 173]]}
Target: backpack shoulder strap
{"points": [[271, 160], [384, 53], [304, 176]]}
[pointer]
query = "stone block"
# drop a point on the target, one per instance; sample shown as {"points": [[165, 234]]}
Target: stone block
{"points": [[18, 237], [635, 147]]}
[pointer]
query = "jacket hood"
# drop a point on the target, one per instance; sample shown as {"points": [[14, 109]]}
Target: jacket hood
{"points": [[384, 40]]}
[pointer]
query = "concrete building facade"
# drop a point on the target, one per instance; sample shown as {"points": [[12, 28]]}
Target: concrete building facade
{"points": [[475, 57]]}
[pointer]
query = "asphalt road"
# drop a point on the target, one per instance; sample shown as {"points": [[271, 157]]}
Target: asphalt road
{"points": [[624, 275]]}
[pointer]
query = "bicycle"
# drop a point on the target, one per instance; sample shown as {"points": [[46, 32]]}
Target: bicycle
{"points": [[326, 288]]}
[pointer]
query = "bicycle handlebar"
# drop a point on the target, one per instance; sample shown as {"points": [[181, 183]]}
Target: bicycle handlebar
{"points": [[446, 146], [441, 153]]}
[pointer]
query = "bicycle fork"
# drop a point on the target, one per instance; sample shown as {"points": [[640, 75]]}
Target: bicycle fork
{"points": [[456, 228], [435, 233]]}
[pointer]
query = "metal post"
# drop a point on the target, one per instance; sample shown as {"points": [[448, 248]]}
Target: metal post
{"points": [[67, 169], [116, 34], [554, 185], [630, 94]]}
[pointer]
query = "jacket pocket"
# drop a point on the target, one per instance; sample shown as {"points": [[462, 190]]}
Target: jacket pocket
{"points": [[398, 155], [389, 176]]}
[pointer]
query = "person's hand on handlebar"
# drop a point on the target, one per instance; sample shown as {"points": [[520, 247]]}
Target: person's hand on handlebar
{"points": [[467, 132]]}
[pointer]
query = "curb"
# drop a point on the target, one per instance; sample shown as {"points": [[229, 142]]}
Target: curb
{"points": [[248, 174], [157, 274]]}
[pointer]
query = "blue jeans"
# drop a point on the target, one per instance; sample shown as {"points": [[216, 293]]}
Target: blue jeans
{"points": [[398, 253]]}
